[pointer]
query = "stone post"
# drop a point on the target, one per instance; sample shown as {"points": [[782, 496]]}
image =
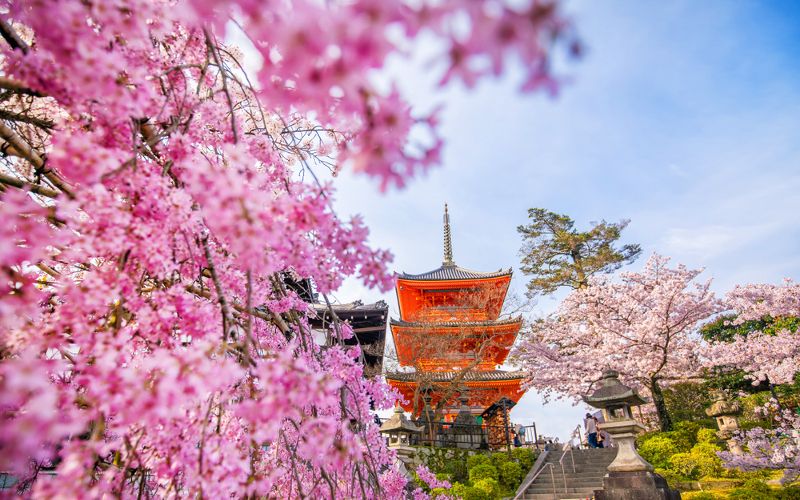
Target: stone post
{"points": [[726, 413], [630, 477], [398, 431]]}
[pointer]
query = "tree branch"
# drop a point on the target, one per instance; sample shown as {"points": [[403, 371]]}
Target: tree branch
{"points": [[27, 152], [11, 37], [28, 186]]}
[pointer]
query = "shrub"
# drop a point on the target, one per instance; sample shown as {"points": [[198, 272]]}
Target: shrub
{"points": [[489, 486], [756, 485], [701, 461], [702, 495], [788, 493], [684, 465], [457, 469], [483, 471], [705, 456], [510, 474], [478, 459], [707, 436], [684, 434], [745, 494], [437, 493], [499, 459], [468, 492], [525, 456], [657, 449], [752, 490], [670, 476]]}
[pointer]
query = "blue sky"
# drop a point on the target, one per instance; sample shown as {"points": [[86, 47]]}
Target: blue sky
{"points": [[683, 117]]}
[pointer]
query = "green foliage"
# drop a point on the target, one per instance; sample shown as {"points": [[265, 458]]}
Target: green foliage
{"points": [[457, 470], [510, 474], [555, 254], [701, 461], [499, 458], [707, 436], [478, 459], [483, 471], [658, 449], [687, 401], [670, 475], [469, 493], [702, 495], [440, 493], [723, 328], [525, 456], [490, 486], [789, 493], [685, 434], [683, 465]]}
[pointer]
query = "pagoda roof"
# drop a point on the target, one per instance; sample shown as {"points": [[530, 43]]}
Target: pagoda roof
{"points": [[455, 324], [471, 376], [452, 272], [354, 306], [368, 321]]}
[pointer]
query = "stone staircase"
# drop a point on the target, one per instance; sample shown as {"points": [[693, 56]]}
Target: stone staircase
{"points": [[590, 467]]}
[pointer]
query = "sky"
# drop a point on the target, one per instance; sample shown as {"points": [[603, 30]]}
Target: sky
{"points": [[683, 117]]}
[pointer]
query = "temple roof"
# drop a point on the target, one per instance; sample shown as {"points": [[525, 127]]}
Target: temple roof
{"points": [[367, 320], [471, 376], [351, 307], [453, 272], [455, 324]]}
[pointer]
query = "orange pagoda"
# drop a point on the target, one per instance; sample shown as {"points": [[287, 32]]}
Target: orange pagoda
{"points": [[449, 338]]}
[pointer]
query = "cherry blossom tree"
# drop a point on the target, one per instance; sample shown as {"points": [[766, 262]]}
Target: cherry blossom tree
{"points": [[765, 356], [777, 448], [770, 356], [643, 325], [154, 198]]}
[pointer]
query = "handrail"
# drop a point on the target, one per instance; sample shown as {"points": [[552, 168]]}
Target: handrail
{"points": [[530, 482], [538, 466]]}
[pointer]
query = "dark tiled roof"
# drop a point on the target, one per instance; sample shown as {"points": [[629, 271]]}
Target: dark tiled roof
{"points": [[453, 272], [455, 324], [448, 376], [355, 306]]}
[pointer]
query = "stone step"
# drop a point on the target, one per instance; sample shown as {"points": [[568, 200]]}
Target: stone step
{"points": [[561, 495], [570, 480], [560, 484]]}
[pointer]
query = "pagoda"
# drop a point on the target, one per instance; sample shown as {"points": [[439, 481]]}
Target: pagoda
{"points": [[450, 339]]}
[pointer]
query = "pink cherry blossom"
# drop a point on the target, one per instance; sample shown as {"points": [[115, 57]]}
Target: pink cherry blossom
{"points": [[155, 197], [643, 325]]}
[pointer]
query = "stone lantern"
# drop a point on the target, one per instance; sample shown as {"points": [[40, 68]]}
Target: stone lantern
{"points": [[726, 413], [629, 476], [398, 429]]}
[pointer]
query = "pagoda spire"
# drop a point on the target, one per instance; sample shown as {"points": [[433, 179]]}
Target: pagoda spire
{"points": [[448, 244]]}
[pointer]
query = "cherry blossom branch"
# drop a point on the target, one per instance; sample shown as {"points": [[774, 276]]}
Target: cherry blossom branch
{"points": [[28, 186], [30, 154], [11, 37]]}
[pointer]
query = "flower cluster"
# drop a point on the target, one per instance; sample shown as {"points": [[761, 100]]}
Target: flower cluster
{"points": [[642, 325], [772, 357], [156, 201], [777, 448]]}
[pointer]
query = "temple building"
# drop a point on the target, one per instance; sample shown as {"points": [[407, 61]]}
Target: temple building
{"points": [[368, 322], [449, 338]]}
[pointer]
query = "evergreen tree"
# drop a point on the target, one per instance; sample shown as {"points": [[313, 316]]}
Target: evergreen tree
{"points": [[556, 254]]}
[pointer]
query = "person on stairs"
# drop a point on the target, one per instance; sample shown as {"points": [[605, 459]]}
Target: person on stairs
{"points": [[591, 430]]}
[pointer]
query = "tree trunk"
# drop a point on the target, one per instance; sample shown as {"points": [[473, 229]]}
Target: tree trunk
{"points": [[664, 421]]}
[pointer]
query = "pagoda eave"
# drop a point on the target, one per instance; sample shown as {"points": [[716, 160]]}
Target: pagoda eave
{"points": [[481, 391]]}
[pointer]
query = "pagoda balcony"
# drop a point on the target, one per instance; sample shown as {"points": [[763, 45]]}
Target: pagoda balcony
{"points": [[483, 387], [443, 343]]}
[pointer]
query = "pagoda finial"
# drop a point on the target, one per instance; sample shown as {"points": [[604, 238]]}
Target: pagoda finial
{"points": [[448, 244]]}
